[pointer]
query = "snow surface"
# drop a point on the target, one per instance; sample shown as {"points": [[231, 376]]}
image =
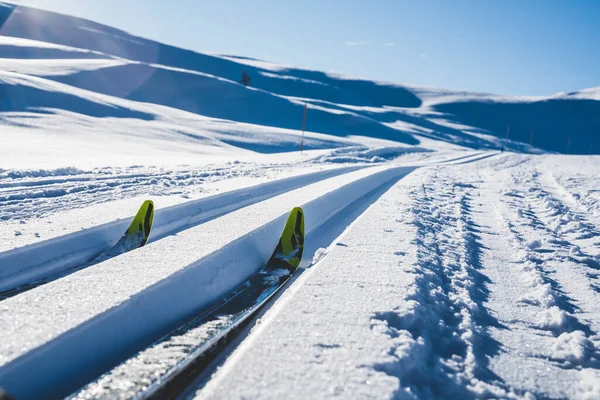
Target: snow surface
{"points": [[42, 260], [459, 282], [436, 266], [107, 290]]}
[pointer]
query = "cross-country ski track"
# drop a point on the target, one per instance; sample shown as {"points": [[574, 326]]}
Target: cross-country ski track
{"points": [[30, 265], [476, 297], [43, 260], [468, 283], [167, 271], [62, 256]]}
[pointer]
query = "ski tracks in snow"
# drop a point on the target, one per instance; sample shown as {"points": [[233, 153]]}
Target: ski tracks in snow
{"points": [[35, 194], [492, 294], [445, 342], [484, 283], [539, 258], [505, 297], [579, 189]]}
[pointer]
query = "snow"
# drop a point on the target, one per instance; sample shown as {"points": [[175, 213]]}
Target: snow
{"points": [[320, 254], [334, 348], [437, 291], [266, 65], [585, 94], [43, 67], [33, 263], [77, 316], [441, 260], [23, 49], [367, 155], [102, 60]]}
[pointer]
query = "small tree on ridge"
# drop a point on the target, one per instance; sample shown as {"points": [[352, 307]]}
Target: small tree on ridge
{"points": [[245, 78]]}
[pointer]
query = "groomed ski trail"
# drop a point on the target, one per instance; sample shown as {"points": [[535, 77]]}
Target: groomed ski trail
{"points": [[140, 282], [37, 263], [464, 288], [390, 354], [143, 374]]}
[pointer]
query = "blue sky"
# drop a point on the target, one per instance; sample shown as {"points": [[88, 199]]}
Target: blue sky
{"points": [[519, 47]]}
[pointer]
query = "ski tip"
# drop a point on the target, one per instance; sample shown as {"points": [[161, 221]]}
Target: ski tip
{"points": [[147, 204], [142, 222], [298, 211], [297, 217], [291, 242]]}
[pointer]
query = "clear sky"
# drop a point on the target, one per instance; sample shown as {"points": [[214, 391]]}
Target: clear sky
{"points": [[520, 47]]}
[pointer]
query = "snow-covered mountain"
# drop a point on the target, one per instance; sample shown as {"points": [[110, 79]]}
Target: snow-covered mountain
{"points": [[60, 68]]}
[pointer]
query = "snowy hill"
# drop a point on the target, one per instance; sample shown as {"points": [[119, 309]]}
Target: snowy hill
{"points": [[85, 55]]}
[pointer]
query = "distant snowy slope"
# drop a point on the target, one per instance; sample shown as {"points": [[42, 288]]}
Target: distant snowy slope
{"points": [[15, 47], [562, 125], [45, 123], [97, 58], [586, 94], [55, 67], [20, 92]]}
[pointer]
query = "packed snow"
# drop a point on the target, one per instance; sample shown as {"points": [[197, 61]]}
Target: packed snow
{"points": [[457, 283], [450, 251]]}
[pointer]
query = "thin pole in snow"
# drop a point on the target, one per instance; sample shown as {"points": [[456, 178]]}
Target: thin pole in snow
{"points": [[531, 138], [303, 128]]}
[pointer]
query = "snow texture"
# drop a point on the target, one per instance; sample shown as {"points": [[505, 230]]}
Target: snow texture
{"points": [[112, 321], [455, 284]]}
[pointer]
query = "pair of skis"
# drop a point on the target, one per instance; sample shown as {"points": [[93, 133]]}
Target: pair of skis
{"points": [[286, 256], [197, 342]]}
